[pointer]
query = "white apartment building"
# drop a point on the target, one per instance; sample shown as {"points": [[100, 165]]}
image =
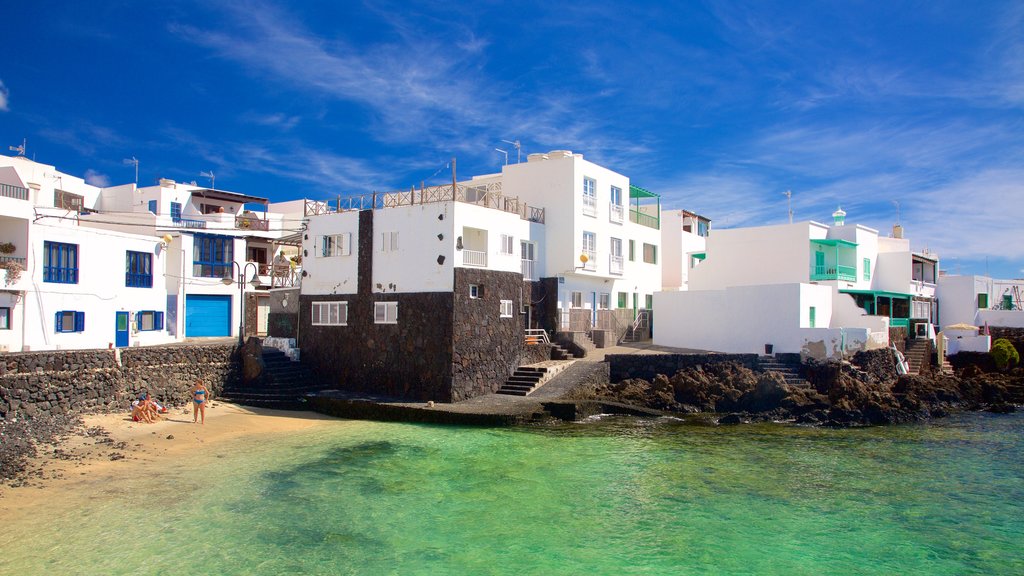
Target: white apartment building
{"points": [[683, 243], [981, 300]]}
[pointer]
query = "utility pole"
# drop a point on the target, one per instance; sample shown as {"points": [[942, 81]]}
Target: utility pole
{"points": [[789, 204]]}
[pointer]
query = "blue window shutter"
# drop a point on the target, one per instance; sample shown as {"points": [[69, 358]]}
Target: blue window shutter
{"points": [[58, 322], [152, 206], [79, 321], [158, 322], [138, 320]]}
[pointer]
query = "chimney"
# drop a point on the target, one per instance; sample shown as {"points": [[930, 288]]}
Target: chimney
{"points": [[839, 217], [897, 231]]}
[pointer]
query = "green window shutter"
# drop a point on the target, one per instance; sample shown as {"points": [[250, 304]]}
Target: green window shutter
{"points": [[812, 316], [867, 268], [982, 301]]}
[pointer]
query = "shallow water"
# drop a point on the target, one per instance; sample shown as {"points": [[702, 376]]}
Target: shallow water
{"points": [[613, 496]]}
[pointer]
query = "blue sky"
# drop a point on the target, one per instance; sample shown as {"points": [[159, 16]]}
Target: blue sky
{"points": [[719, 107]]}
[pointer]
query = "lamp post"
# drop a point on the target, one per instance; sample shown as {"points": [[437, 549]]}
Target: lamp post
{"points": [[254, 282]]}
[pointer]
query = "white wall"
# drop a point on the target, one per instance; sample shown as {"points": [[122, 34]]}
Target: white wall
{"points": [[958, 298], [756, 256], [330, 274]]}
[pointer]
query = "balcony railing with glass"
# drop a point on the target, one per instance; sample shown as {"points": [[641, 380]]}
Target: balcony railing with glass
{"points": [[615, 212], [474, 258], [846, 273], [591, 263], [637, 217], [615, 264], [529, 270], [589, 205]]}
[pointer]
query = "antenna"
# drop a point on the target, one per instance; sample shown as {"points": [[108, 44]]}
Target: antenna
{"points": [[20, 149], [519, 149], [896, 203], [211, 177], [503, 152], [135, 161], [789, 204]]}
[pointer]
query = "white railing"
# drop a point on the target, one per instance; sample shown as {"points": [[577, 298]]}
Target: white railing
{"points": [[474, 258], [537, 336], [591, 263], [615, 213], [615, 264], [529, 270], [589, 205]]}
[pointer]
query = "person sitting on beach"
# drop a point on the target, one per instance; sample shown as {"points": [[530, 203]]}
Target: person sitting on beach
{"points": [[140, 412], [199, 397]]}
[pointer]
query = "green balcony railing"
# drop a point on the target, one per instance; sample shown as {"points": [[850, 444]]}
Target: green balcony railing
{"points": [[899, 322], [847, 273]]}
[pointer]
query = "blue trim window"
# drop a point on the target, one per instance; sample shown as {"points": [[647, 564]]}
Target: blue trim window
{"points": [[60, 263], [149, 320], [69, 321], [152, 206], [212, 256], [175, 211], [138, 269]]}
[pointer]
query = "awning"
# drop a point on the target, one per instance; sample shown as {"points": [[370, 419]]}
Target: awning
{"points": [[877, 293], [835, 242], [227, 196], [638, 192]]}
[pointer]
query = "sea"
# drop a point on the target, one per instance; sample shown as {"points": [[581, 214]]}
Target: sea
{"points": [[611, 495]]}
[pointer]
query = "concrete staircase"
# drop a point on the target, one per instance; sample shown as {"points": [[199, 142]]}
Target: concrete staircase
{"points": [[789, 372], [558, 352], [526, 379], [917, 355], [284, 385]]}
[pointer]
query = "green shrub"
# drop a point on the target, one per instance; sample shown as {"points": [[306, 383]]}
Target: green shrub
{"points": [[1004, 354]]}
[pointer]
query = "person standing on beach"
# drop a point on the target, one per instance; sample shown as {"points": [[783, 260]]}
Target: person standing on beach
{"points": [[199, 393]]}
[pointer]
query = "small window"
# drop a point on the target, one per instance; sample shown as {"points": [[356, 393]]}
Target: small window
{"points": [[336, 244], [68, 201], [138, 269], [649, 301], [69, 321], [175, 211], [149, 320], [330, 314], [812, 313], [983, 301], [388, 241], [577, 299], [867, 269], [506, 244], [5, 318], [650, 253], [623, 299], [60, 263], [632, 250], [385, 313], [604, 301], [506, 308], [152, 206], [476, 291]]}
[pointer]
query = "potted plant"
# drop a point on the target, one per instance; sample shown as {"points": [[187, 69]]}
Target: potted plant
{"points": [[7, 248], [14, 271]]}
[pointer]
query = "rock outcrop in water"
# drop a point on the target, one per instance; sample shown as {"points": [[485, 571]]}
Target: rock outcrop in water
{"points": [[863, 392]]}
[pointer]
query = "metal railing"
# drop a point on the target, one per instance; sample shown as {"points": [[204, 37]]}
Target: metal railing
{"points": [[246, 223], [537, 336], [487, 195], [16, 192], [187, 223], [615, 212], [589, 205], [615, 264], [529, 269], [474, 258], [16, 259], [591, 263], [847, 273]]}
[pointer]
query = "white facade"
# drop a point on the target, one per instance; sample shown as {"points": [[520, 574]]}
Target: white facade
{"points": [[980, 300], [684, 245]]}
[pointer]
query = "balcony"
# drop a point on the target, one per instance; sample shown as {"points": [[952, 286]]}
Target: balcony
{"points": [[15, 259], [615, 213], [16, 192], [615, 264], [187, 223], [846, 273], [529, 270], [591, 263], [589, 205], [474, 258], [637, 217]]}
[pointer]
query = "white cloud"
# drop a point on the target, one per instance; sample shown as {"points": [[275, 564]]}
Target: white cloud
{"points": [[5, 96], [96, 178]]}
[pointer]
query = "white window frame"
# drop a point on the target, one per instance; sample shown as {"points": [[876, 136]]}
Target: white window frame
{"points": [[590, 249], [507, 243], [336, 244], [604, 301], [616, 264], [5, 318], [385, 312], [475, 291], [389, 241], [615, 209], [576, 299], [329, 313], [506, 309], [589, 196]]}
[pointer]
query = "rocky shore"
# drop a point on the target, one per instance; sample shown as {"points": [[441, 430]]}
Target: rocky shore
{"points": [[864, 391]]}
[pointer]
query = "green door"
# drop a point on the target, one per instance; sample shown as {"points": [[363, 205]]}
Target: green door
{"points": [[819, 262], [812, 315]]}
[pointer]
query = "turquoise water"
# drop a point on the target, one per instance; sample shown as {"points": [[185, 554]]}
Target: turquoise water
{"points": [[614, 496]]}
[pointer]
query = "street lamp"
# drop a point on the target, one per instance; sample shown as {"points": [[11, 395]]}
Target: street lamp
{"points": [[254, 282]]}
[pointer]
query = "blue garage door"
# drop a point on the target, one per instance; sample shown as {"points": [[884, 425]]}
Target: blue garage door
{"points": [[207, 315]]}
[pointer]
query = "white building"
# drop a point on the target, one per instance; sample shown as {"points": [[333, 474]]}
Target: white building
{"points": [[804, 288], [683, 243], [981, 300]]}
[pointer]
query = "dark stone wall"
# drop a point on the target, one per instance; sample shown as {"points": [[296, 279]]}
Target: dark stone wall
{"points": [[898, 337], [486, 348], [646, 366], [545, 308], [251, 313], [282, 324], [34, 384]]}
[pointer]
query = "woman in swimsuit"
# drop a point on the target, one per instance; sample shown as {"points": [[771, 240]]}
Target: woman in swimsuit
{"points": [[199, 392]]}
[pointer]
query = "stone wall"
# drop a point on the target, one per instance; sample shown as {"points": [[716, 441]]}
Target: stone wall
{"points": [[283, 319], [646, 366], [53, 383], [486, 349]]}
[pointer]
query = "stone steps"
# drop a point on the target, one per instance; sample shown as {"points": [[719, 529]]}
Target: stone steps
{"points": [[916, 354], [526, 379], [790, 374], [285, 384]]}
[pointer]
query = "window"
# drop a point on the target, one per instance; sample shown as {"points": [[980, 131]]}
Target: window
{"points": [[812, 313], [5, 318], [388, 241], [336, 244], [69, 321], [604, 301], [529, 268], [577, 300], [650, 253], [616, 195], [590, 250], [138, 269], [702, 228], [632, 250], [590, 196], [623, 299], [149, 320], [867, 271], [68, 201], [152, 206], [212, 256], [476, 291], [615, 260], [615, 210], [506, 308], [385, 313], [60, 263], [649, 301], [506, 244], [176, 211], [982, 301], [330, 313]]}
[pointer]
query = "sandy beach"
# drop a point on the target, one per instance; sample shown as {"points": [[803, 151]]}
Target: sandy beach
{"points": [[112, 446]]}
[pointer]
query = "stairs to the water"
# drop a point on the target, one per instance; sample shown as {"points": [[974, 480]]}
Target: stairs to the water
{"points": [[526, 379], [284, 386], [789, 372], [917, 355]]}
